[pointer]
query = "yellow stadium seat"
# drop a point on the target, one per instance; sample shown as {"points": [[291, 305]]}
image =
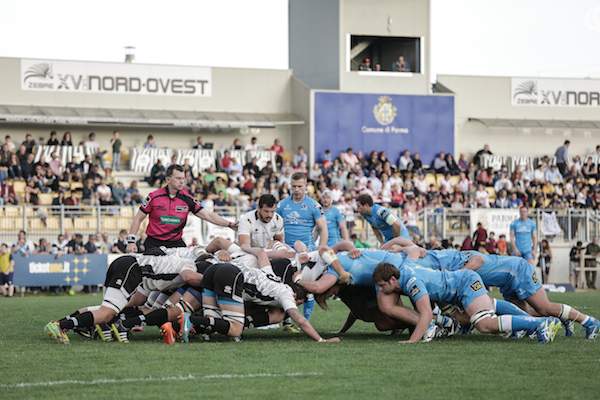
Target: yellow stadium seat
{"points": [[126, 212], [12, 211], [8, 224], [64, 185], [45, 198], [491, 193], [1, 212], [109, 223], [85, 224], [19, 187], [76, 186], [430, 179], [123, 223], [68, 225], [53, 223], [454, 180]]}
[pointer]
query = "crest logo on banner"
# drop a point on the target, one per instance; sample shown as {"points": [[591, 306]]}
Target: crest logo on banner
{"points": [[385, 111]]}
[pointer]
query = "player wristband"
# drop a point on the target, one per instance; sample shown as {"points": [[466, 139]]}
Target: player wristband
{"points": [[131, 239]]}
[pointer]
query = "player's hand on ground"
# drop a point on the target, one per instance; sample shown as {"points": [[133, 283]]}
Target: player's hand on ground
{"points": [[354, 253], [406, 342], [332, 340], [132, 248]]}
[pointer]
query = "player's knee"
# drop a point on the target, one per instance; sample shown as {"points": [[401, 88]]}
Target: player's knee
{"points": [[485, 321]]}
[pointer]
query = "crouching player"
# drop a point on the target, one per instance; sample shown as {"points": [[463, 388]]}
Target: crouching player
{"points": [[462, 288], [517, 281], [123, 277]]}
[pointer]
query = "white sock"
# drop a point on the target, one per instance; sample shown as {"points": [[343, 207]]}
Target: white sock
{"points": [[505, 323]]}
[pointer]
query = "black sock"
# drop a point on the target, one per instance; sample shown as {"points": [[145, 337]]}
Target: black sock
{"points": [[156, 317], [130, 312], [76, 313], [83, 320], [209, 325]]}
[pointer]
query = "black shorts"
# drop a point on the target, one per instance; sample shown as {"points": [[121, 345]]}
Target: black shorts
{"points": [[151, 243], [283, 268], [202, 266], [256, 315], [361, 300], [124, 273], [224, 281]]}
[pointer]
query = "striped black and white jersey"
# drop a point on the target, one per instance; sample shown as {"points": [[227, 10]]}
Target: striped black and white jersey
{"points": [[191, 252], [261, 233], [165, 271], [266, 289], [314, 268]]}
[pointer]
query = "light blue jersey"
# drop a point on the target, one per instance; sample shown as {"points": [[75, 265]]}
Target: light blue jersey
{"points": [[377, 219], [362, 268], [448, 260], [299, 220], [334, 218], [523, 231], [514, 276], [445, 287]]}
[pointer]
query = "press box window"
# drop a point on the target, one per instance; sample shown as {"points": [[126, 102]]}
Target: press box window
{"points": [[385, 54]]}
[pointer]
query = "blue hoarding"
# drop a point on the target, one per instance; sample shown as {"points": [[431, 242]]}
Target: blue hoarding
{"points": [[68, 270], [390, 123]]}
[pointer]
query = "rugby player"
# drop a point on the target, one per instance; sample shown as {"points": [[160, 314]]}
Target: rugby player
{"points": [[336, 224], [463, 288], [385, 224], [523, 236], [124, 276], [301, 214], [518, 283]]}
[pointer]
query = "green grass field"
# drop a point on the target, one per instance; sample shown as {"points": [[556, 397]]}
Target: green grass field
{"points": [[275, 365]]}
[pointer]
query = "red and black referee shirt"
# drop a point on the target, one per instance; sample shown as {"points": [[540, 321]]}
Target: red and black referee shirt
{"points": [[168, 213]]}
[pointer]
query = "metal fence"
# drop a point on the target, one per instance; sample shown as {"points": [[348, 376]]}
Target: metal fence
{"points": [[50, 221]]}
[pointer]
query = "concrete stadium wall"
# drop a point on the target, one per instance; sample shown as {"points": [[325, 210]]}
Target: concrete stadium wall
{"points": [[409, 18], [489, 97]]}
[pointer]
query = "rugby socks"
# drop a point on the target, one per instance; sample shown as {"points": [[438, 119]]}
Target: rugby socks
{"points": [[82, 320], [588, 322], [516, 323], [208, 325], [309, 306], [156, 318], [504, 307], [130, 312]]}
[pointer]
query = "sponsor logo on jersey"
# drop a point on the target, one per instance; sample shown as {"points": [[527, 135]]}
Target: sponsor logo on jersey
{"points": [[181, 208], [534, 277], [476, 286], [169, 220], [146, 201], [227, 289], [414, 291]]}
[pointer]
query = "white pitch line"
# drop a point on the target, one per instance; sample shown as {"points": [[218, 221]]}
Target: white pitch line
{"points": [[156, 379]]}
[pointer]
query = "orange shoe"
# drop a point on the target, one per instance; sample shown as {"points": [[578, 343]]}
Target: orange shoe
{"points": [[168, 333]]}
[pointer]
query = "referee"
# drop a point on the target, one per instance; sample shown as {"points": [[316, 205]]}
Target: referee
{"points": [[168, 209]]}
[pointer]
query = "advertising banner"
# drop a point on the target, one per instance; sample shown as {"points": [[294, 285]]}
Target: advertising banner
{"points": [[67, 270], [115, 78], [547, 92]]}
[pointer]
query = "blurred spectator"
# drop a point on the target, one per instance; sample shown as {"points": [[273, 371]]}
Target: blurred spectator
{"points": [[157, 174], [575, 260], [279, 150], [199, 143], [365, 65], [300, 157], [43, 247], [252, 146], [59, 246], [439, 163], [478, 158], [116, 143], [66, 139], [545, 260], [480, 237], [491, 246], [91, 247], [23, 246], [592, 249], [562, 157], [237, 144], [502, 245], [75, 245], [120, 245], [53, 139], [400, 65], [7, 267], [150, 142]]}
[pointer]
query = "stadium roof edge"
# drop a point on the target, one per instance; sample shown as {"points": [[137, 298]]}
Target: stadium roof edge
{"points": [[535, 123], [165, 119]]}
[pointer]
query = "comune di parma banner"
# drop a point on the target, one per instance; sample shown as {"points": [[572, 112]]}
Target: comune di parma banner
{"points": [[381, 122]]}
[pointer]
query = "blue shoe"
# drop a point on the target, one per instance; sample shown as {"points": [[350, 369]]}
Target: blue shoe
{"points": [[547, 329], [592, 329], [569, 327], [185, 325], [430, 333]]}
